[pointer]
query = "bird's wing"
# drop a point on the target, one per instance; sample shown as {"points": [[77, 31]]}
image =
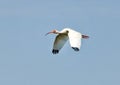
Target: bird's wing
{"points": [[59, 42], [75, 40]]}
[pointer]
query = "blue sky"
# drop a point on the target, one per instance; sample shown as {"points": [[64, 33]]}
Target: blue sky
{"points": [[25, 53]]}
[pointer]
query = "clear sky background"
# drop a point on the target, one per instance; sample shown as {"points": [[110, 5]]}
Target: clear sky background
{"points": [[25, 53]]}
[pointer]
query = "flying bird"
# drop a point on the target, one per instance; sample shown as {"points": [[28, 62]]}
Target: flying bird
{"points": [[62, 36]]}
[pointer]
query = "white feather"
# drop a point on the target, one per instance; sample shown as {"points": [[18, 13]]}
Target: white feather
{"points": [[74, 38], [59, 42]]}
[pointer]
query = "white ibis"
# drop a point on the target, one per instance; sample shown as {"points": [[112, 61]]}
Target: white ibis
{"points": [[62, 36]]}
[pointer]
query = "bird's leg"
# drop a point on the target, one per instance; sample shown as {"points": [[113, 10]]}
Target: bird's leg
{"points": [[85, 36]]}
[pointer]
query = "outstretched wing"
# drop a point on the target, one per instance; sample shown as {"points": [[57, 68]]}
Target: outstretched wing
{"points": [[75, 39], [59, 42]]}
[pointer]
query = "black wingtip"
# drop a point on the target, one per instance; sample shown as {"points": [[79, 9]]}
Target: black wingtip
{"points": [[75, 48], [55, 51]]}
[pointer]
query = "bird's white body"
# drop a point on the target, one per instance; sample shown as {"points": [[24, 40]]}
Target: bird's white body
{"points": [[67, 33]]}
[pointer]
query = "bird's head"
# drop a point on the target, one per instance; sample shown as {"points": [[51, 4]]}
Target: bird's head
{"points": [[53, 31]]}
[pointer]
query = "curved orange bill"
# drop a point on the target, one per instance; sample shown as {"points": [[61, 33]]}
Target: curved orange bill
{"points": [[48, 33]]}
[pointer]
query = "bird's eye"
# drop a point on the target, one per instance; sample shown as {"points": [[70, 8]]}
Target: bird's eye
{"points": [[67, 31]]}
